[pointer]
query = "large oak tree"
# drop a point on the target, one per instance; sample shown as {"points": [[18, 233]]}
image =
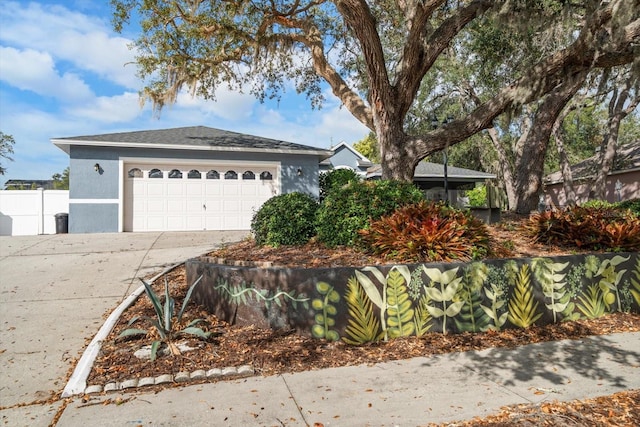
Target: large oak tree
{"points": [[263, 45]]}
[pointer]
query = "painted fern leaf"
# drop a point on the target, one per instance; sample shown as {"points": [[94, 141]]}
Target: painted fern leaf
{"points": [[363, 326], [522, 306], [421, 316], [591, 303], [399, 306], [472, 318], [635, 282]]}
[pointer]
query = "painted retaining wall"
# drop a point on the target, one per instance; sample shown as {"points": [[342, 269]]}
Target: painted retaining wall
{"points": [[360, 305]]}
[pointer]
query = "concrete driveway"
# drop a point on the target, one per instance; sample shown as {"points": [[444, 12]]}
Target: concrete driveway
{"points": [[55, 292]]}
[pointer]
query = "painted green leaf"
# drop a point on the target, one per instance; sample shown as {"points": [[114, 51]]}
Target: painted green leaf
{"points": [[370, 289], [522, 306], [317, 331], [434, 294], [454, 309], [435, 311], [363, 326], [451, 289]]}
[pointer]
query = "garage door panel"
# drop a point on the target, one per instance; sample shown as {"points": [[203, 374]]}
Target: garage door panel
{"points": [[196, 203], [155, 188]]}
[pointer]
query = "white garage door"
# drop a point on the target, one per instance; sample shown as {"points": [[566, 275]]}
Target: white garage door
{"points": [[159, 197]]}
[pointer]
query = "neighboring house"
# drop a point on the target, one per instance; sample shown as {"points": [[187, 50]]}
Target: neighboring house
{"points": [[623, 182], [191, 178], [430, 177], [346, 157], [29, 184]]}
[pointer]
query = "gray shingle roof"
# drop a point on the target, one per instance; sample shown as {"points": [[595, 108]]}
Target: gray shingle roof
{"points": [[427, 170], [194, 137], [627, 159]]}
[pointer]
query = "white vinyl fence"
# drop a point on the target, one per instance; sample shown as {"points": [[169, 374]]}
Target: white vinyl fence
{"points": [[31, 212]]}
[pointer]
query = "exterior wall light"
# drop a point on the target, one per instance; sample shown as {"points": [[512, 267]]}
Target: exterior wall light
{"points": [[299, 171], [96, 167]]}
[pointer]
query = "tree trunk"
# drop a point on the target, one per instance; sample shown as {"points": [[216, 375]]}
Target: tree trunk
{"points": [[565, 166], [505, 167], [617, 112], [530, 166]]}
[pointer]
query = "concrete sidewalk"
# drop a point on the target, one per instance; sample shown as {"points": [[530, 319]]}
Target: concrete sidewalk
{"points": [[413, 392], [57, 290]]}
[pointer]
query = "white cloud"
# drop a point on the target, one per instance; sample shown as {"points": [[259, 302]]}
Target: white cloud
{"points": [[109, 109], [229, 105], [85, 41], [35, 71]]}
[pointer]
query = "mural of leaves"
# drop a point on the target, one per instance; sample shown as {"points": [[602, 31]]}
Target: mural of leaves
{"points": [[635, 282], [611, 279], [472, 318], [591, 303], [241, 294], [363, 325], [449, 285], [522, 306], [376, 297], [399, 306], [496, 296], [422, 317], [324, 320], [547, 273]]}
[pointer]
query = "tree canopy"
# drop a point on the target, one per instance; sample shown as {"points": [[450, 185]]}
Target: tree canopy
{"points": [[377, 55], [6, 149]]}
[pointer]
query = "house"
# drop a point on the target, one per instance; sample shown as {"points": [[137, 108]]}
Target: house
{"points": [[623, 182], [346, 157], [430, 177], [190, 178]]}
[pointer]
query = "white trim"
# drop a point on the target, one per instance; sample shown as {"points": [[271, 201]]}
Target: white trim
{"points": [[120, 195], [94, 201], [202, 162]]}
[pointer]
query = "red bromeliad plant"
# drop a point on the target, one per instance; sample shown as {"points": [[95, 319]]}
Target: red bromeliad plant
{"points": [[597, 228], [427, 232]]}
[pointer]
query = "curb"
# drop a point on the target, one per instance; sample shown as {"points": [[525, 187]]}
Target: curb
{"points": [[181, 377]]}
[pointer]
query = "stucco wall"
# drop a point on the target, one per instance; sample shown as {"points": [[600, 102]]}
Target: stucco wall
{"points": [[630, 190]]}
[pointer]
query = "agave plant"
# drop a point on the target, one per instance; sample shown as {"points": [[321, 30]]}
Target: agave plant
{"points": [[165, 323]]}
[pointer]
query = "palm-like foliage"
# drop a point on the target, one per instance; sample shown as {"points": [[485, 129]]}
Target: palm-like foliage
{"points": [[165, 322]]}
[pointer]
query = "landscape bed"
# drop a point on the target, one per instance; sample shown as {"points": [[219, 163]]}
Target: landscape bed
{"points": [[359, 305]]}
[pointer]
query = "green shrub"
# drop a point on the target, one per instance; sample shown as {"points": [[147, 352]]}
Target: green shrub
{"points": [[477, 196], [427, 232], [604, 228], [349, 208], [335, 179], [287, 219], [633, 205], [598, 204]]}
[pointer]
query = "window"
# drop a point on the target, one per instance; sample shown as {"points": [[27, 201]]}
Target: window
{"points": [[194, 174], [213, 174], [135, 173], [248, 175], [175, 173], [231, 175], [266, 176], [155, 173]]}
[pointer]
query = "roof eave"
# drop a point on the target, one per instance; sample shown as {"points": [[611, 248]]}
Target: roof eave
{"points": [[64, 145]]}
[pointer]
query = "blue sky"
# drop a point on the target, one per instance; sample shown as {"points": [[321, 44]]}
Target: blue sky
{"points": [[63, 73]]}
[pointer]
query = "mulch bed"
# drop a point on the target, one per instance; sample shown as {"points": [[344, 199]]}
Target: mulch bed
{"points": [[273, 352]]}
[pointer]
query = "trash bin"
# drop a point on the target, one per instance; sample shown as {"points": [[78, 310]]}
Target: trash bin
{"points": [[62, 223]]}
